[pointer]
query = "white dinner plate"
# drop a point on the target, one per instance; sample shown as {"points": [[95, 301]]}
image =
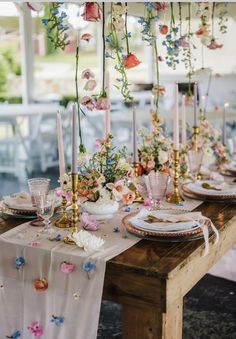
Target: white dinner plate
{"points": [[226, 189]]}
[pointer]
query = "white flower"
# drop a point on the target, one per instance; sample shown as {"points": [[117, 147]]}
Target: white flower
{"points": [[163, 157], [83, 158], [90, 243], [65, 182]]}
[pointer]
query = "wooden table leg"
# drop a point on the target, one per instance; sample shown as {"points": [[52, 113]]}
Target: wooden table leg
{"points": [[172, 321]]}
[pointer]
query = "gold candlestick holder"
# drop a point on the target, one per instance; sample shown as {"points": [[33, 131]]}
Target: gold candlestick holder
{"points": [[138, 197], [74, 207], [195, 137], [64, 221], [175, 196]]}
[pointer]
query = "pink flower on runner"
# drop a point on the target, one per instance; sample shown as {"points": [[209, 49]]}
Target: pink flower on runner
{"points": [[147, 202], [87, 74], [86, 37], [88, 102], [131, 61], [36, 329], [89, 223], [99, 142], [102, 103], [214, 44], [67, 267], [90, 85], [92, 12]]}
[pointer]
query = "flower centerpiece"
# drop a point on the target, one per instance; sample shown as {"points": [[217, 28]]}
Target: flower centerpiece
{"points": [[103, 179]]}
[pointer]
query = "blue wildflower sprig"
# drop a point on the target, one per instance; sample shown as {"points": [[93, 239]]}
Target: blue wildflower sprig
{"points": [[56, 26]]}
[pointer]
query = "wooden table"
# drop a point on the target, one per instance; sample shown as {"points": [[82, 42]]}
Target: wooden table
{"points": [[151, 279]]}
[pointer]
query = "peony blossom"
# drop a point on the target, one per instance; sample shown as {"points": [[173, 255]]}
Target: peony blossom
{"points": [[90, 243], [128, 198], [86, 37], [131, 61], [92, 12], [90, 85], [102, 103], [88, 102], [163, 29], [87, 74]]}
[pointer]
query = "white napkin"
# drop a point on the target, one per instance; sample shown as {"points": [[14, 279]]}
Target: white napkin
{"points": [[21, 199]]}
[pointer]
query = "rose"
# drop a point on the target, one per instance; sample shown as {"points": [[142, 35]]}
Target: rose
{"points": [[103, 103], [131, 61], [67, 267], [92, 12]]}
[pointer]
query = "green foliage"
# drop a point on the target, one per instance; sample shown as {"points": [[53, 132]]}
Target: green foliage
{"points": [[3, 73]]}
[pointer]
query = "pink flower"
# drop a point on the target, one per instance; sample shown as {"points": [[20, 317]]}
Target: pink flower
{"points": [[147, 202], [160, 58], [67, 267], [92, 12], [87, 74], [128, 198], [183, 43], [34, 243], [89, 223], [214, 44], [160, 6], [102, 103], [99, 142], [88, 102], [90, 85], [201, 31], [86, 37], [36, 329], [164, 29], [150, 164], [131, 61]]}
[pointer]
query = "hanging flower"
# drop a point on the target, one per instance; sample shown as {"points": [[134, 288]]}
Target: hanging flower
{"points": [[67, 267], [90, 85], [92, 12], [103, 103], [89, 223], [131, 61], [88, 102], [57, 320], [36, 329], [214, 45], [41, 284], [160, 6], [163, 29], [86, 37], [158, 89], [87, 74], [201, 31], [19, 262]]}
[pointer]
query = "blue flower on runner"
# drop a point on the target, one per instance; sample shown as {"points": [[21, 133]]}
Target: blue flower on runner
{"points": [[19, 262], [57, 320], [15, 335], [88, 267]]}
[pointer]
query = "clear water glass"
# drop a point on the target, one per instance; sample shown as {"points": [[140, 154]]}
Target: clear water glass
{"points": [[195, 162], [38, 186], [157, 185], [45, 210]]}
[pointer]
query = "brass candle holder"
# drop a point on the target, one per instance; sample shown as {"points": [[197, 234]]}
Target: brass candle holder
{"points": [[64, 221], [175, 196], [74, 207], [138, 197], [195, 137]]}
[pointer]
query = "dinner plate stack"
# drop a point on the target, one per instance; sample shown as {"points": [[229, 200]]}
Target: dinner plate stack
{"points": [[164, 225], [210, 190]]}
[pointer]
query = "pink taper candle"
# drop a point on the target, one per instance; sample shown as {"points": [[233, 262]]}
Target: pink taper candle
{"points": [[176, 118], [74, 138], [195, 104], [108, 113], [60, 145], [183, 111], [135, 146]]}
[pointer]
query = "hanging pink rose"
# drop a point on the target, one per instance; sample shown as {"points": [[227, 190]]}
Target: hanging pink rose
{"points": [[89, 223], [90, 85], [103, 103], [86, 37], [67, 267], [88, 102], [160, 6], [87, 74], [164, 29], [92, 12], [131, 61], [214, 44]]}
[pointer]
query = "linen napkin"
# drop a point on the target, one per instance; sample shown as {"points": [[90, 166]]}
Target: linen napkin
{"points": [[21, 199]]}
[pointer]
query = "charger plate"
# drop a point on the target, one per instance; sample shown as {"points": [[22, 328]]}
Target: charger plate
{"points": [[186, 188], [10, 212], [177, 236]]}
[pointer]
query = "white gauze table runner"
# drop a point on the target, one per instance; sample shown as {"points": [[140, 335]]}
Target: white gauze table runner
{"points": [[73, 296]]}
